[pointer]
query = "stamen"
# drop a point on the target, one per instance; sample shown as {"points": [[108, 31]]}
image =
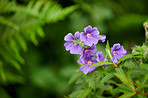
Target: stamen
{"points": [[88, 35]]}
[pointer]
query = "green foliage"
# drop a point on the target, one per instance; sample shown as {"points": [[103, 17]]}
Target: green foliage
{"points": [[23, 25]]}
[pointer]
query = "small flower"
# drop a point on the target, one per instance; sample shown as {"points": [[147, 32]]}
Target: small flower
{"points": [[86, 52], [117, 52], [89, 60], [100, 57], [90, 36], [70, 45]]}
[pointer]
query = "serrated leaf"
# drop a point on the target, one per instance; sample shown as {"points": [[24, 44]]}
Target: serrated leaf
{"points": [[101, 63], [128, 95], [125, 80], [85, 93], [137, 71], [128, 56], [76, 94], [144, 66], [142, 86], [107, 77], [144, 79]]}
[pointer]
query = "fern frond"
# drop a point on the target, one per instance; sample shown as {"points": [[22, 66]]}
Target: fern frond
{"points": [[24, 25]]}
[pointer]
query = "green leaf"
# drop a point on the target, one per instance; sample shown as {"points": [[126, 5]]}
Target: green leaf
{"points": [[144, 79], [142, 86], [107, 77], [125, 80], [144, 66], [137, 71], [108, 51], [85, 93], [128, 56], [101, 63], [127, 95]]}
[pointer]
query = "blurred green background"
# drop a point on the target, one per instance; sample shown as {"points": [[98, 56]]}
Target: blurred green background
{"points": [[37, 65]]}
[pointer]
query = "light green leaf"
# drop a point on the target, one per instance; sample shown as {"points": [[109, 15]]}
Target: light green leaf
{"points": [[128, 56], [128, 95], [107, 77], [101, 63], [85, 93], [144, 66], [108, 51]]}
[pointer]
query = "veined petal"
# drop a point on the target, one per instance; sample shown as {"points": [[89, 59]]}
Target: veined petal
{"points": [[102, 38], [114, 59], [69, 37], [88, 42], [76, 49], [81, 59], [100, 56], [77, 34], [82, 36], [88, 29], [95, 39], [91, 69], [84, 69], [68, 45], [92, 49], [94, 31]]}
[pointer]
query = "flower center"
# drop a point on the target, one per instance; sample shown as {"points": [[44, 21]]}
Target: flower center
{"points": [[87, 51], [88, 35], [89, 62], [114, 52]]}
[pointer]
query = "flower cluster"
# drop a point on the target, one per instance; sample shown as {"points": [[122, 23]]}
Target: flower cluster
{"points": [[84, 43]]}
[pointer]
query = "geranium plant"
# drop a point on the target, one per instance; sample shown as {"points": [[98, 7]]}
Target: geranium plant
{"points": [[115, 74]]}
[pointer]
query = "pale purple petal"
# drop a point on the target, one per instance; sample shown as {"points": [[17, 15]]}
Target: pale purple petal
{"points": [[69, 37], [114, 59], [81, 60], [88, 29], [77, 34], [76, 49], [91, 69], [94, 31], [92, 49], [102, 38], [82, 36], [100, 56], [88, 42], [68, 45], [95, 39], [84, 69]]}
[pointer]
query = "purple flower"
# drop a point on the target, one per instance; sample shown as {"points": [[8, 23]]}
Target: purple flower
{"points": [[117, 52], [100, 57], [89, 60], [90, 36], [86, 52], [70, 45]]}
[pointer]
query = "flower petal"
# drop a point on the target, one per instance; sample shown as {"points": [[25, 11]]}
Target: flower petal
{"points": [[84, 69], [68, 45], [76, 49], [102, 38], [77, 34], [100, 56], [114, 59], [88, 29], [92, 49], [91, 69], [95, 31], [69, 37]]}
